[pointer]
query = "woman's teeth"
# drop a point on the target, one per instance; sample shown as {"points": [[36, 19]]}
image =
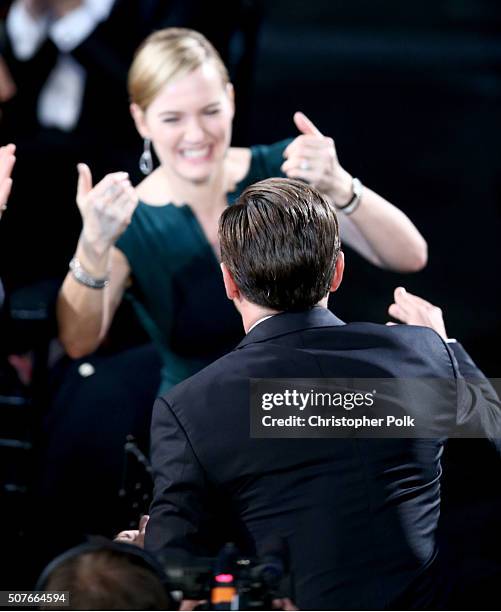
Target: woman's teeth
{"points": [[195, 153]]}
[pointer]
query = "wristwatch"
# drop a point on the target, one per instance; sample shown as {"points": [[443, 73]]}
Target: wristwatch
{"points": [[354, 202]]}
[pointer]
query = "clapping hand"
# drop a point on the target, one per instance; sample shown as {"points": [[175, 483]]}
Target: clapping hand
{"points": [[7, 161], [312, 157], [413, 310], [106, 209]]}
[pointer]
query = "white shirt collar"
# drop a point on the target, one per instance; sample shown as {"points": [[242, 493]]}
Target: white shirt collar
{"points": [[260, 321]]}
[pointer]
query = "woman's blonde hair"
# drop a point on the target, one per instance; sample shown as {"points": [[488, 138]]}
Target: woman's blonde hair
{"points": [[166, 55]]}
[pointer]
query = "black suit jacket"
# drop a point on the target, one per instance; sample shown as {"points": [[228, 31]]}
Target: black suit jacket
{"points": [[359, 516]]}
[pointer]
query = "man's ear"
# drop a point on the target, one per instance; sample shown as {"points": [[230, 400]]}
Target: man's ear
{"points": [[232, 291], [338, 272], [139, 120]]}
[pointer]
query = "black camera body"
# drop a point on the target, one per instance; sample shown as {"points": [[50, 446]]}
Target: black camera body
{"points": [[230, 581]]}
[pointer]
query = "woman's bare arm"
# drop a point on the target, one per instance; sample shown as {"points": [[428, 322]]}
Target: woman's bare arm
{"points": [[85, 313]]}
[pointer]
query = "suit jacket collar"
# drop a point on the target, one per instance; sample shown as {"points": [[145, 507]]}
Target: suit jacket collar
{"points": [[287, 322]]}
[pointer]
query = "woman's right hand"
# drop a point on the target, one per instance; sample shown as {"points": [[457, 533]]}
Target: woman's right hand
{"points": [[106, 208]]}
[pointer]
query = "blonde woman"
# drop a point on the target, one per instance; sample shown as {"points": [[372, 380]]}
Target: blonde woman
{"points": [[159, 241]]}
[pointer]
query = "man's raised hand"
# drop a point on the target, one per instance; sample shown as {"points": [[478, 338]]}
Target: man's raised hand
{"points": [[413, 310]]}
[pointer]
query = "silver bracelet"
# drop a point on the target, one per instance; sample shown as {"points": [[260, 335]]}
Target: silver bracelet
{"points": [[84, 278], [354, 202]]}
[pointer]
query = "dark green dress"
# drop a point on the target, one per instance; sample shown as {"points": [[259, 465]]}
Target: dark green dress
{"points": [[177, 287]]}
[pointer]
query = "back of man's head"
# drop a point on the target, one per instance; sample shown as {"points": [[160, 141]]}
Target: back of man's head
{"points": [[280, 242], [108, 580]]}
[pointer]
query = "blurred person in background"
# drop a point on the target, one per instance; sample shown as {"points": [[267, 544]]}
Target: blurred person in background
{"points": [[105, 575]]}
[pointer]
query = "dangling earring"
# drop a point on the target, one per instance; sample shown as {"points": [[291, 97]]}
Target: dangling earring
{"points": [[146, 160]]}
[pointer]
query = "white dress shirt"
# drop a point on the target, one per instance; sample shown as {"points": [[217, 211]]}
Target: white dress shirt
{"points": [[60, 99], [259, 321]]}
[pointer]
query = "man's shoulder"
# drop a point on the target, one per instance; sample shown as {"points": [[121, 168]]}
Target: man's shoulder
{"points": [[361, 335], [419, 346], [399, 334], [422, 343], [212, 373]]}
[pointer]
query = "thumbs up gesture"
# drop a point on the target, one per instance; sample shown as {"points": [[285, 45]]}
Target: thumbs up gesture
{"points": [[312, 157], [106, 209]]}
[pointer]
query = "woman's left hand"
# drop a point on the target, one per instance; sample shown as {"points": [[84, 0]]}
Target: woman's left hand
{"points": [[312, 157]]}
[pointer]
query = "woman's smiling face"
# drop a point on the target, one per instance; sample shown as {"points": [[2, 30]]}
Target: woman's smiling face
{"points": [[189, 123]]}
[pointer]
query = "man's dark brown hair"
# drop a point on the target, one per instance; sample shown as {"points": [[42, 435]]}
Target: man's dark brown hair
{"points": [[280, 241]]}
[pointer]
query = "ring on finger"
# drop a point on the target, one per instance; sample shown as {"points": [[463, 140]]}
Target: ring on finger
{"points": [[304, 165], [111, 191]]}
